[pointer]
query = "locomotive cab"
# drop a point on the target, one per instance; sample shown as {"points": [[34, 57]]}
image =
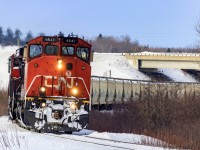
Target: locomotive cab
{"points": [[51, 90]]}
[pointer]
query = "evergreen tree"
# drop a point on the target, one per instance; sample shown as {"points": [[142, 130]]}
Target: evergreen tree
{"points": [[9, 39], [1, 36], [29, 36], [17, 37], [100, 36]]}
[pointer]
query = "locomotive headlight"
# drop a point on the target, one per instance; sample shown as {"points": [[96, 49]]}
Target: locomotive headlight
{"points": [[74, 91], [60, 63], [43, 105], [59, 66], [42, 89], [73, 106]]}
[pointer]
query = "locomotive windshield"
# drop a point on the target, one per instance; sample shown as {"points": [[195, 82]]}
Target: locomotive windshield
{"points": [[35, 50], [83, 53], [67, 50], [51, 50]]}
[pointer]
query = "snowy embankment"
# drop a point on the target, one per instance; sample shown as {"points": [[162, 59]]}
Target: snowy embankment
{"points": [[177, 75], [13, 137], [5, 53], [117, 66]]}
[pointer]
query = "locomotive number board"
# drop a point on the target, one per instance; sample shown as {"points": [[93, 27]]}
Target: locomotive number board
{"points": [[70, 40], [49, 39]]}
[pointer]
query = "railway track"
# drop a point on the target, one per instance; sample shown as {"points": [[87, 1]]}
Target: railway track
{"points": [[98, 141], [109, 143], [106, 142], [87, 139]]}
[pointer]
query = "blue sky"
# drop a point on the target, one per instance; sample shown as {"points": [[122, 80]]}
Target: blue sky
{"points": [[163, 23]]}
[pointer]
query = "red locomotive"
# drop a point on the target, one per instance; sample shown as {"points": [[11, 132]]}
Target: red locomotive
{"points": [[49, 87]]}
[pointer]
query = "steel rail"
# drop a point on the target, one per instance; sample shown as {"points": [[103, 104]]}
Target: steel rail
{"points": [[91, 142]]}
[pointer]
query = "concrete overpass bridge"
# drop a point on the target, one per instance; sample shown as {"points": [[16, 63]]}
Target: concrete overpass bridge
{"points": [[151, 60]]}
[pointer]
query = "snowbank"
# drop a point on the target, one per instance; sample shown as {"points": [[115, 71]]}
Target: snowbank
{"points": [[5, 52], [177, 75], [115, 65], [12, 137]]}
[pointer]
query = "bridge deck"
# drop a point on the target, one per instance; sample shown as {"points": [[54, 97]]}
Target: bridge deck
{"points": [[165, 60]]}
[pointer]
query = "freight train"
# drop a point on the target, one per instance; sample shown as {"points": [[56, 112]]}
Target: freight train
{"points": [[49, 86]]}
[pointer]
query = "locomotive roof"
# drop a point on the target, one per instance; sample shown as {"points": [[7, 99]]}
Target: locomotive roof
{"points": [[67, 39]]}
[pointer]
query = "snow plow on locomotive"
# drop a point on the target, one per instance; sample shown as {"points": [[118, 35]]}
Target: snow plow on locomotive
{"points": [[49, 87]]}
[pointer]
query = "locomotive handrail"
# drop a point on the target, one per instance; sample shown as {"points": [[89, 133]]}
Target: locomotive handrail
{"points": [[148, 81], [14, 78]]}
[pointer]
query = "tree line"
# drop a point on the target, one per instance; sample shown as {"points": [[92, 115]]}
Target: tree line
{"points": [[100, 43], [110, 44], [13, 37], [124, 44]]}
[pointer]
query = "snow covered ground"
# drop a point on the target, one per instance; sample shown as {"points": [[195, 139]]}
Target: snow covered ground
{"points": [[177, 75], [120, 67], [12, 137], [117, 64]]}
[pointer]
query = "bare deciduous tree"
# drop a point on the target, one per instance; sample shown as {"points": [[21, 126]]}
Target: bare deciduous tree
{"points": [[110, 44], [197, 27]]}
